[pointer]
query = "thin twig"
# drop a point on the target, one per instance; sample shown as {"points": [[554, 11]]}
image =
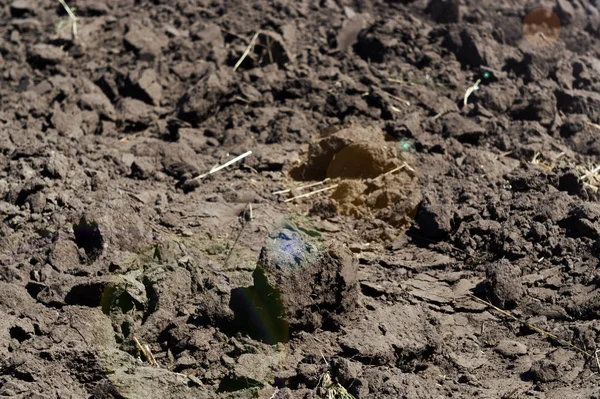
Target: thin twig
{"points": [[539, 330], [392, 171], [246, 52], [311, 193], [237, 238], [226, 164], [403, 166], [301, 187]]}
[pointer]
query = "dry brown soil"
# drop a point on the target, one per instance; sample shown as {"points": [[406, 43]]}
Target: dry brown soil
{"points": [[427, 203]]}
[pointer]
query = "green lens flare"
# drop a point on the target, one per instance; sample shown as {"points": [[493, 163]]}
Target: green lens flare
{"points": [[406, 145]]}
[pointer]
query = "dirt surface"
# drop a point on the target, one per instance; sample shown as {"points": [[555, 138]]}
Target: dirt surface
{"points": [[123, 276]]}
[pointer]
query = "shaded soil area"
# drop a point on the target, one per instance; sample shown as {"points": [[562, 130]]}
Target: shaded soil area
{"points": [[122, 275]]}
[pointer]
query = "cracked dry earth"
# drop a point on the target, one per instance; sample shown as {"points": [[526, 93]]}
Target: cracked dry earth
{"points": [[427, 206]]}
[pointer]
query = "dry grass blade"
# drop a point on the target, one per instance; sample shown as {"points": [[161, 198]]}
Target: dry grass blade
{"points": [[74, 19], [152, 359], [311, 193], [145, 351], [389, 172], [537, 329], [590, 177], [245, 220], [301, 187], [470, 91], [246, 52], [399, 99], [590, 173], [403, 166], [226, 164], [597, 126]]}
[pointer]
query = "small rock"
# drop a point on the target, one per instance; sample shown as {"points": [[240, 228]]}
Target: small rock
{"points": [[434, 217], [579, 102], [37, 202], [135, 115], [463, 129], [93, 8], [255, 369], [251, 93], [185, 360], [178, 161], [98, 102], [209, 34], [511, 349], [193, 138], [351, 27], [64, 255], [42, 55], [145, 86], [565, 11], [148, 83], [346, 371], [202, 100], [328, 227], [68, 122], [544, 371], [504, 284], [142, 169], [57, 166], [20, 8], [144, 42], [172, 31], [445, 11]]}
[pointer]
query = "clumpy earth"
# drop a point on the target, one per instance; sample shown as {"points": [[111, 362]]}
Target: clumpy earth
{"points": [[123, 276]]}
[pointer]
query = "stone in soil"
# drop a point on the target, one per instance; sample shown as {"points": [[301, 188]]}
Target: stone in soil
{"points": [[297, 286], [503, 283]]}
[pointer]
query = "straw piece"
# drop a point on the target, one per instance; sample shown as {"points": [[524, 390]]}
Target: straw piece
{"points": [[226, 164], [301, 187], [311, 193], [246, 52]]}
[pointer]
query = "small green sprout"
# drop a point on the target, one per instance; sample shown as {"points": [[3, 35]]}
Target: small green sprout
{"points": [[334, 390]]}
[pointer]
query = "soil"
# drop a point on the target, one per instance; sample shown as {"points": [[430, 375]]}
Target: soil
{"points": [[122, 275]]}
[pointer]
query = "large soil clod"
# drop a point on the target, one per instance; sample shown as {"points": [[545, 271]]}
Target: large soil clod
{"points": [[297, 286], [373, 174]]}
